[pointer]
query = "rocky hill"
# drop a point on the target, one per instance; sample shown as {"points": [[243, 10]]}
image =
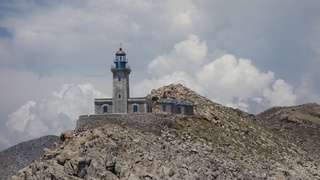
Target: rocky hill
{"points": [[296, 124], [23, 154], [217, 142]]}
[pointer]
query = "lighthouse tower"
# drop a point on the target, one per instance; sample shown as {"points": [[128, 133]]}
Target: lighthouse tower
{"points": [[120, 72], [121, 102]]}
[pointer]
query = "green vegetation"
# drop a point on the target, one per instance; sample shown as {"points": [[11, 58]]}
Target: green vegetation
{"points": [[184, 118], [155, 98]]}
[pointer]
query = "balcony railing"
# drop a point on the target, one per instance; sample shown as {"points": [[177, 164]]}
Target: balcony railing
{"points": [[114, 66]]}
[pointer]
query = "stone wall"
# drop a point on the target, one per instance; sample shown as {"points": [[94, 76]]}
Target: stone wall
{"points": [[147, 122]]}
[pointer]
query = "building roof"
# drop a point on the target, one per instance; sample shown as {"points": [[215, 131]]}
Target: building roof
{"points": [[120, 52]]}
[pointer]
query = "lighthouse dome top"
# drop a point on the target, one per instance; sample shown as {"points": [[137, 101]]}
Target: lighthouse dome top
{"points": [[120, 52]]}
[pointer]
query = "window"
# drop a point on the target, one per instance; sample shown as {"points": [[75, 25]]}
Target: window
{"points": [[179, 110], [135, 108], [186, 110], [105, 109], [119, 79], [119, 96], [164, 108]]}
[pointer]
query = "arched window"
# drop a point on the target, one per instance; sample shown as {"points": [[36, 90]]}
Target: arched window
{"points": [[179, 110], [135, 108], [119, 96], [105, 109]]}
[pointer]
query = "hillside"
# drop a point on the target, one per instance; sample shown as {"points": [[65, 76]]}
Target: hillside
{"points": [[217, 142], [22, 154], [224, 126], [296, 124]]}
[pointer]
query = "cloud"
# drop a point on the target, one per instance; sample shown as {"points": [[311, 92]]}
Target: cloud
{"points": [[51, 37], [145, 86], [54, 37], [281, 94], [4, 142], [191, 51], [20, 118], [55, 114], [227, 80], [227, 77]]}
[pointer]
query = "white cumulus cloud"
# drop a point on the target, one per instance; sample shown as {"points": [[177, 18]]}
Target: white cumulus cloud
{"points": [[145, 86], [228, 80], [185, 56], [281, 94], [20, 118], [54, 114], [227, 77]]}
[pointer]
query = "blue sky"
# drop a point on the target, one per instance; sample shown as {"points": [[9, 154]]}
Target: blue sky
{"points": [[56, 55]]}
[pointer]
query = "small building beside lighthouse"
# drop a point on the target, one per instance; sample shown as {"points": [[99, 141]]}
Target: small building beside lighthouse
{"points": [[121, 102]]}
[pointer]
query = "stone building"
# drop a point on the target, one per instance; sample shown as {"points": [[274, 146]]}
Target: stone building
{"points": [[122, 103], [172, 106]]}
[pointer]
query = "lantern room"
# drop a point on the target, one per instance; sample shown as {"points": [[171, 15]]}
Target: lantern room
{"points": [[120, 60]]}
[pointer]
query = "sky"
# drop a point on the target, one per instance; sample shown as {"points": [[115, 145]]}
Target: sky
{"points": [[55, 56]]}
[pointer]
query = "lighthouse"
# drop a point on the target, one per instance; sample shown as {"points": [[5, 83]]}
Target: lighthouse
{"points": [[121, 92], [121, 102]]}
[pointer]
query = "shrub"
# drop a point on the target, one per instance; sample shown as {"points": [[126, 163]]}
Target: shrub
{"points": [[184, 118], [154, 98]]}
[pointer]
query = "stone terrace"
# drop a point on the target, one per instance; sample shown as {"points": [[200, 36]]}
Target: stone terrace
{"points": [[148, 122]]}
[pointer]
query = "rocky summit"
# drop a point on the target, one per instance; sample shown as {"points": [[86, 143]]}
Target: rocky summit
{"points": [[217, 142]]}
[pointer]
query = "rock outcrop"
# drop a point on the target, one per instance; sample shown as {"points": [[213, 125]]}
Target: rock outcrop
{"points": [[216, 143], [113, 152]]}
